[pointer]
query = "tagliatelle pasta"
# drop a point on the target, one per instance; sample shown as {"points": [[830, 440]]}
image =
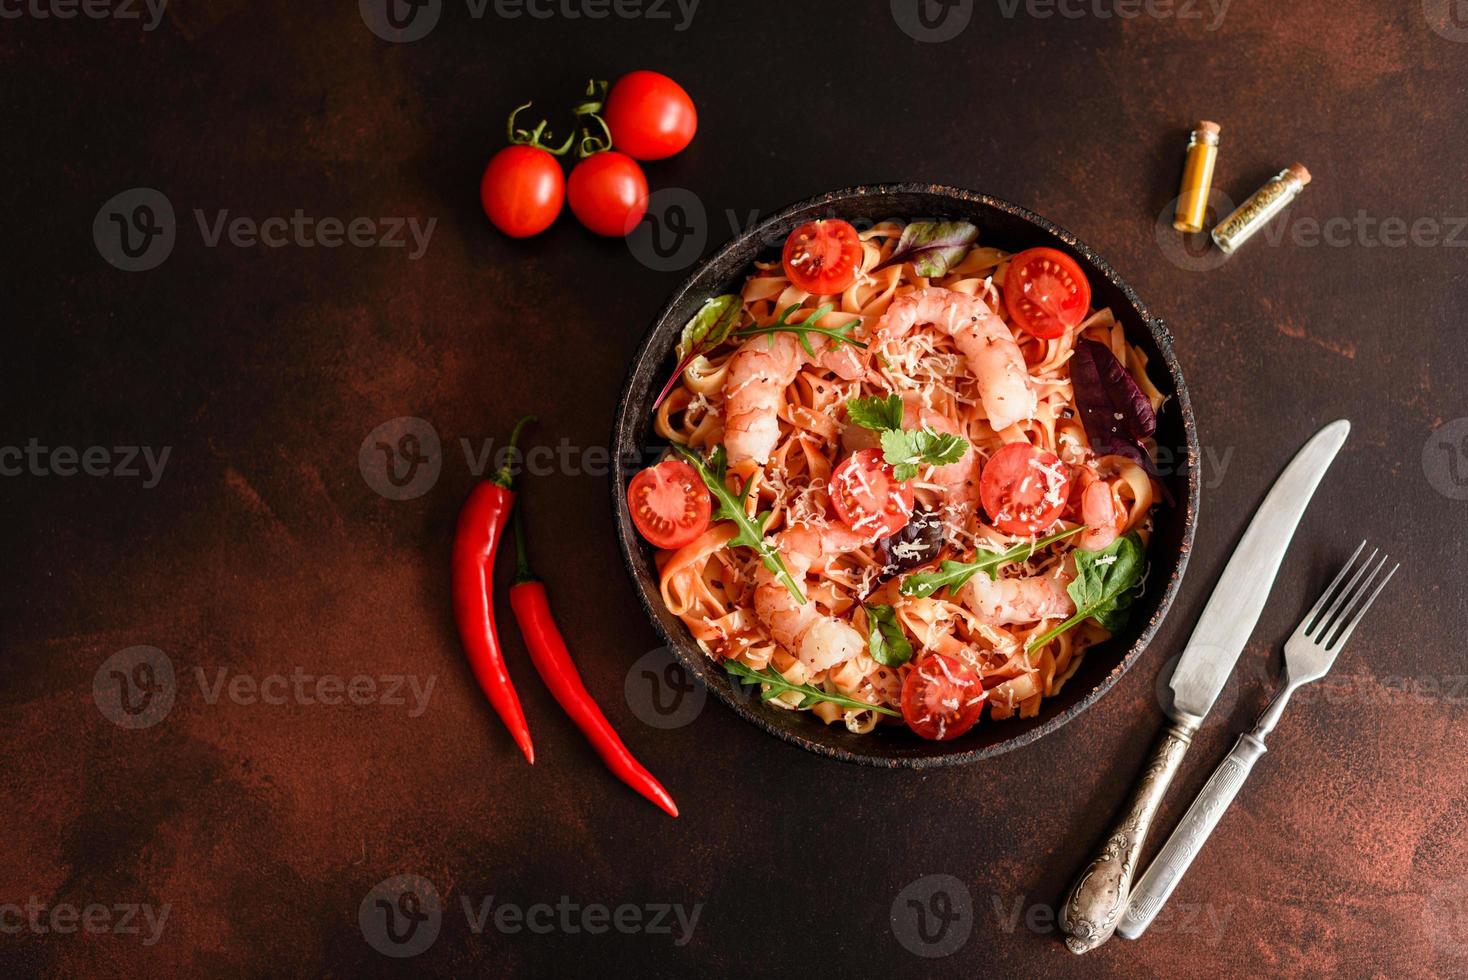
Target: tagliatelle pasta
{"points": [[950, 377]]}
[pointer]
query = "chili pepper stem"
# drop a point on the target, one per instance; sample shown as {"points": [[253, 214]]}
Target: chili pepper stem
{"points": [[523, 573], [506, 475]]}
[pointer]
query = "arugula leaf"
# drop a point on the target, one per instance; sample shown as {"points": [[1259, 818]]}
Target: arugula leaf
{"points": [[876, 413], [933, 247], [710, 326], [729, 506], [886, 641], [811, 694], [904, 449], [1105, 584], [810, 325], [954, 575]]}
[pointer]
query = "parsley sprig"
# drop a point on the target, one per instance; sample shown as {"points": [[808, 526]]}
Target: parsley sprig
{"points": [[729, 506], [810, 325], [810, 694], [904, 449], [954, 575]]}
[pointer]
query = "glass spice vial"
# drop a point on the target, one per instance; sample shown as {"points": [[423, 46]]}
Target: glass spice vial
{"points": [[1192, 200], [1261, 207]]}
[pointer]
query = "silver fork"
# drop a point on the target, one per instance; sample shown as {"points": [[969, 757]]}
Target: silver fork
{"points": [[1309, 653]]}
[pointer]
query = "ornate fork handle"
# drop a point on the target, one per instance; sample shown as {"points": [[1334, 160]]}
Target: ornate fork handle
{"points": [[1167, 869], [1099, 895]]}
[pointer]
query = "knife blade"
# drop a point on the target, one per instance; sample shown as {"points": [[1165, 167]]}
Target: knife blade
{"points": [[1095, 902], [1237, 600]]}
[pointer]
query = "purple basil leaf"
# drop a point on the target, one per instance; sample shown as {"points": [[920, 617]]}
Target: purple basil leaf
{"points": [[1116, 414]]}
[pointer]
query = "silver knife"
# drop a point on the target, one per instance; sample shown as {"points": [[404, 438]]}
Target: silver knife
{"points": [[1096, 900]]}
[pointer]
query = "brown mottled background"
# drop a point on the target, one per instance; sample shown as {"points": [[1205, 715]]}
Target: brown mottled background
{"points": [[263, 548]]}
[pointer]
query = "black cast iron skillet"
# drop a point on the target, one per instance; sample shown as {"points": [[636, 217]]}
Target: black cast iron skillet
{"points": [[1002, 225]]}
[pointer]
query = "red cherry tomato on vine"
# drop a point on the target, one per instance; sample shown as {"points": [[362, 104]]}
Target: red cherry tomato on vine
{"points": [[1046, 292], [608, 193], [942, 697], [867, 496], [822, 257], [522, 190], [1024, 489], [650, 115]]}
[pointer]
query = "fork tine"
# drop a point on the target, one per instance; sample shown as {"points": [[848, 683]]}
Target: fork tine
{"points": [[1331, 616], [1350, 592], [1344, 633], [1309, 622]]}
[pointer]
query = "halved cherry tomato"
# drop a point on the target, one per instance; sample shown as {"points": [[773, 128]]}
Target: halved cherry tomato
{"points": [[650, 115], [522, 190], [1024, 489], [867, 496], [608, 193], [669, 504], [942, 697], [822, 257], [1046, 292]]}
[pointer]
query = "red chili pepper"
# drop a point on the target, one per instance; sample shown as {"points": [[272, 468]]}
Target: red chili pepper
{"points": [[476, 541], [548, 652]]}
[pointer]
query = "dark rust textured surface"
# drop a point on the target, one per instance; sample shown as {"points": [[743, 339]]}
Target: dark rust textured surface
{"points": [[263, 550]]}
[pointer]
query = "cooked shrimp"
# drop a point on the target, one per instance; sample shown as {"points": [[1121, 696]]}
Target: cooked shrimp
{"points": [[758, 373], [983, 338], [819, 641], [1100, 512], [1020, 600]]}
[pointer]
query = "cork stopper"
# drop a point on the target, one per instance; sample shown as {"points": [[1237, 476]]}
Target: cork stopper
{"points": [[1298, 171], [1207, 126]]}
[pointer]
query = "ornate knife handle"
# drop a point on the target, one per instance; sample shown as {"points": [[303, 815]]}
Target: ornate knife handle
{"points": [[1099, 895]]}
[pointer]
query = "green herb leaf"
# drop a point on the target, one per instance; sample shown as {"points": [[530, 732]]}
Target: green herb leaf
{"points": [[810, 325], [729, 506], [1106, 582], [885, 639], [954, 575], [900, 454], [876, 413], [710, 326], [933, 247], [810, 694], [939, 448], [904, 449]]}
